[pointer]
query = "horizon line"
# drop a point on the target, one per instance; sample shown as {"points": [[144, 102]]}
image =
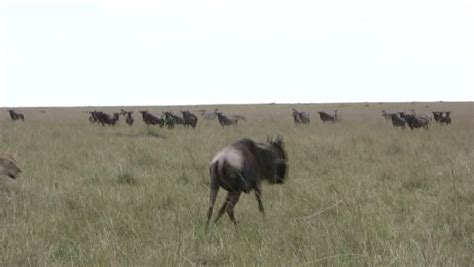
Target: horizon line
{"points": [[243, 104]]}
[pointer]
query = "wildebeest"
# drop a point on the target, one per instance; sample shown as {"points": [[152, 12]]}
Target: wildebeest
{"points": [[387, 115], [445, 119], [209, 115], [171, 119], [326, 117], [224, 120], [9, 167], [414, 121], [437, 115], [105, 118], [14, 116], [93, 116], [397, 121], [300, 117], [442, 117], [241, 167], [129, 119], [189, 119], [150, 119]]}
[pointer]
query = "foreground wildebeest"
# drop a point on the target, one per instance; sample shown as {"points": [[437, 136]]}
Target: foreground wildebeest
{"points": [[9, 167], [189, 119], [150, 119], [224, 120], [241, 167], [16, 115], [300, 117]]}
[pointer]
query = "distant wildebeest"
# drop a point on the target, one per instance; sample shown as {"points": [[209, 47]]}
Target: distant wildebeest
{"points": [[442, 117], [150, 119], [437, 115], [224, 120], [129, 119], [300, 117], [414, 121], [105, 118], [189, 119], [446, 119], [241, 167], [16, 115], [326, 117], [92, 117], [397, 121], [209, 115], [387, 115], [9, 167], [171, 120]]}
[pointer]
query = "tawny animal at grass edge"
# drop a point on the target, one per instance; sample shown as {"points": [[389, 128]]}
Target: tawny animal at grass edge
{"points": [[9, 167], [241, 167]]}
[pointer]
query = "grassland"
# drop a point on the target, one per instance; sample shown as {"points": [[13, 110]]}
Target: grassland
{"points": [[359, 192]]}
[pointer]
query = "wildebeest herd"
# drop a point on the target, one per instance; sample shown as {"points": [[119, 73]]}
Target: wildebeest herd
{"points": [[167, 119], [414, 120], [245, 164], [188, 119]]}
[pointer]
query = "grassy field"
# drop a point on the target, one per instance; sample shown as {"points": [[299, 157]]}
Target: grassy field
{"points": [[358, 192]]}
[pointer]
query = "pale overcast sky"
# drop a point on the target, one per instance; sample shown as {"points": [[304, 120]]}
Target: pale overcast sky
{"points": [[138, 52]]}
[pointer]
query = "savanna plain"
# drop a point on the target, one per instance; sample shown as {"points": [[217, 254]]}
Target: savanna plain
{"points": [[359, 192]]}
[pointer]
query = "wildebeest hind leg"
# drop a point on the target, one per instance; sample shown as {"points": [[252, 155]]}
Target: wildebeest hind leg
{"points": [[233, 199], [223, 208], [212, 201]]}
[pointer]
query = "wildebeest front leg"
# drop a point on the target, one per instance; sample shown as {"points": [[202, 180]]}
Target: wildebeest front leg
{"points": [[233, 199], [258, 195]]}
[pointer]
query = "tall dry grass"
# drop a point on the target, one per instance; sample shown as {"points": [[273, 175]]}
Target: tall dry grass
{"points": [[359, 192]]}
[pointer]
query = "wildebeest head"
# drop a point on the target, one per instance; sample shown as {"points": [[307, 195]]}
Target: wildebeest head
{"points": [[9, 167], [280, 159]]}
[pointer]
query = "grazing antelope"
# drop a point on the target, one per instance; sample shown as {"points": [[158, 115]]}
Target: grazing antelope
{"points": [[241, 167]]}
